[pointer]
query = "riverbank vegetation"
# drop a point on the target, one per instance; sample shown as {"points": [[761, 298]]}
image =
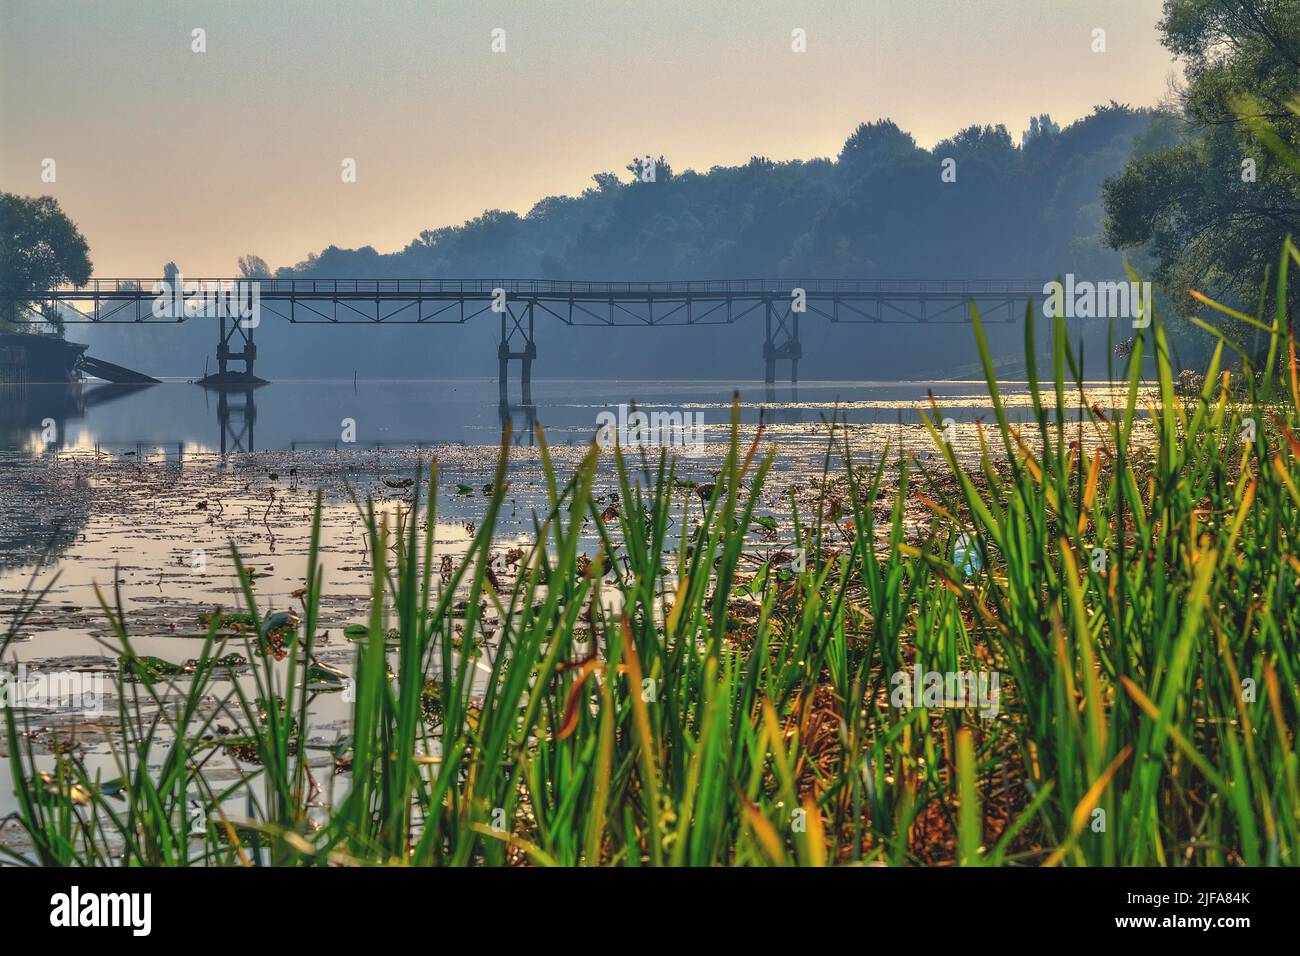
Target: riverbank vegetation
{"points": [[653, 704], [1213, 187]]}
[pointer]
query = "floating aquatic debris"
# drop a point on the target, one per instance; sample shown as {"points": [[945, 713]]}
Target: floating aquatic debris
{"points": [[226, 660], [151, 669], [325, 677]]}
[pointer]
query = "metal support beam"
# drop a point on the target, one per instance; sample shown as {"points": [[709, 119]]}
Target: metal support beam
{"points": [[519, 330], [780, 340], [232, 329]]}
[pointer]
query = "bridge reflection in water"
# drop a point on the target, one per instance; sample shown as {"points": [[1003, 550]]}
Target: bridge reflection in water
{"points": [[41, 413], [173, 421], [237, 415]]}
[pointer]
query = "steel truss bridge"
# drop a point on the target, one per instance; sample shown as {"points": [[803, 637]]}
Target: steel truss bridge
{"points": [[519, 302]]}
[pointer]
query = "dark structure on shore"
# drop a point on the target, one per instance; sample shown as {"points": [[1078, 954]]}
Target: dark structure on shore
{"points": [[27, 359]]}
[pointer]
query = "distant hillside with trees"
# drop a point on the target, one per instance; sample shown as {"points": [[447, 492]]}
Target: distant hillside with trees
{"points": [[879, 209], [1026, 206]]}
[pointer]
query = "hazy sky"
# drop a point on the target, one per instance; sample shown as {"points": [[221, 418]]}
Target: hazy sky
{"points": [[163, 153]]}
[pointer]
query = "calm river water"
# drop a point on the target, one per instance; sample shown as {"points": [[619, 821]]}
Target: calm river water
{"points": [[145, 490]]}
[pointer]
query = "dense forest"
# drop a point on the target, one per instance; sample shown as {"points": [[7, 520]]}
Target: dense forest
{"points": [[880, 209], [883, 207]]}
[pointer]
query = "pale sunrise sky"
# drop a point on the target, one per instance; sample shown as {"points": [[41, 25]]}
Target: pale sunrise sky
{"points": [[166, 154]]}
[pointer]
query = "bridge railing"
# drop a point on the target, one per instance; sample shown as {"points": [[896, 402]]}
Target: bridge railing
{"points": [[140, 288]]}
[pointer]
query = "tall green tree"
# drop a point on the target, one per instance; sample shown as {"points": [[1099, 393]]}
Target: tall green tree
{"points": [[40, 247], [1213, 207]]}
